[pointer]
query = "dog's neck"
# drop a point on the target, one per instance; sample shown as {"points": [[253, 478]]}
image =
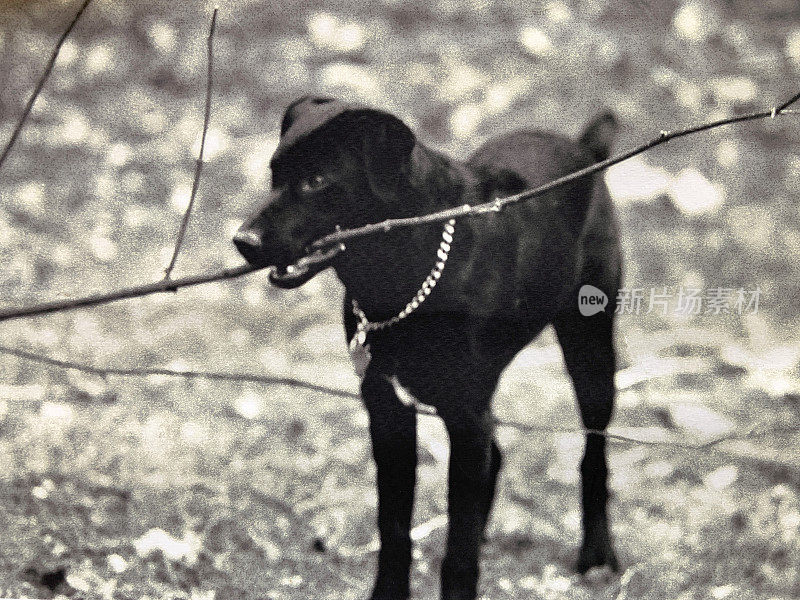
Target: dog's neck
{"points": [[385, 271]]}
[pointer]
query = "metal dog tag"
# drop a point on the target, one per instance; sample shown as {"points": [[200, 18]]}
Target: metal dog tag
{"points": [[359, 352]]}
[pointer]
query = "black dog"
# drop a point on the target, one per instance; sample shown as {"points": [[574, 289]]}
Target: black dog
{"points": [[499, 279]]}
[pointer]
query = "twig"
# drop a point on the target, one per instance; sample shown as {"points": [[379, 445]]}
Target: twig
{"points": [[165, 285], [417, 534], [625, 581], [198, 167], [788, 103], [292, 382], [499, 204], [348, 234], [139, 372], [358, 551], [40, 84], [733, 435], [423, 530]]}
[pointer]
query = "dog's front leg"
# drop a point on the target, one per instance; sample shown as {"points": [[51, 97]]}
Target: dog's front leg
{"points": [[473, 469], [392, 427]]}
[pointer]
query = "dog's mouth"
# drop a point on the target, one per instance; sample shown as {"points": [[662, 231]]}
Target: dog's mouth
{"points": [[301, 271]]}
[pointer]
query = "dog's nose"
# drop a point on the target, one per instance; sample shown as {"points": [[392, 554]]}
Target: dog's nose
{"points": [[250, 245]]}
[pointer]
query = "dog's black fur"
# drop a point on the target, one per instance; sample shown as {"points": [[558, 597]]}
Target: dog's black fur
{"points": [[509, 274]]}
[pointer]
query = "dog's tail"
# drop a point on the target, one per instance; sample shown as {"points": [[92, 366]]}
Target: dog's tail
{"points": [[599, 134]]}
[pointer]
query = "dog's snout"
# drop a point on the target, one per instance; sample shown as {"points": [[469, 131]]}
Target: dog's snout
{"points": [[250, 245]]}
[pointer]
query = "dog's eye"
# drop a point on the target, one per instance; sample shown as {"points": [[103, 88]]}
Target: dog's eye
{"points": [[313, 183]]}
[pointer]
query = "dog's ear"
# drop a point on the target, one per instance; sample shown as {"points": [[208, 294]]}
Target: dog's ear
{"points": [[496, 182], [387, 145], [301, 107], [599, 134]]}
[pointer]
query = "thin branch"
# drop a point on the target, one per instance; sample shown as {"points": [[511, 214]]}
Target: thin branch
{"points": [[198, 168], [211, 375], [625, 580], [787, 104], [348, 234], [40, 84], [733, 435], [423, 530], [422, 409], [417, 534], [499, 204], [165, 285]]}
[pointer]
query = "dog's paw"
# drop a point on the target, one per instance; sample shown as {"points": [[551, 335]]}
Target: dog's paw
{"points": [[383, 595], [384, 590], [597, 554]]}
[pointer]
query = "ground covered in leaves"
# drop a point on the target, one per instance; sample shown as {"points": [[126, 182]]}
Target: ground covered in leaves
{"points": [[171, 488]]}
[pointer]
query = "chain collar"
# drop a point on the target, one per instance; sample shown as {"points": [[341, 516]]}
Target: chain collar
{"points": [[365, 326]]}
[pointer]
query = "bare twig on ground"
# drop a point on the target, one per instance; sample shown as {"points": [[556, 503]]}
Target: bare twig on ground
{"points": [[139, 372], [417, 534], [423, 410], [349, 234], [625, 581], [669, 443], [40, 84], [198, 168], [423, 530]]}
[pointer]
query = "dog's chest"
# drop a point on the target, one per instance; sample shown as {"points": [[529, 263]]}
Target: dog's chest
{"points": [[435, 357]]}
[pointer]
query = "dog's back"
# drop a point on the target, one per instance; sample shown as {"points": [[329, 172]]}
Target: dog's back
{"points": [[537, 251], [528, 159]]}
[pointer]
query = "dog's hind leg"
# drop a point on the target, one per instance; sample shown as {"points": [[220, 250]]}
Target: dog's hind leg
{"points": [[587, 343], [392, 427]]}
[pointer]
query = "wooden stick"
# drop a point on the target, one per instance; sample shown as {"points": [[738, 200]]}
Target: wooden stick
{"points": [[143, 372], [165, 285], [348, 234], [497, 205]]}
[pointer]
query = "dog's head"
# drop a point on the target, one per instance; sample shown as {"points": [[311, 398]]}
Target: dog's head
{"points": [[337, 164]]}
